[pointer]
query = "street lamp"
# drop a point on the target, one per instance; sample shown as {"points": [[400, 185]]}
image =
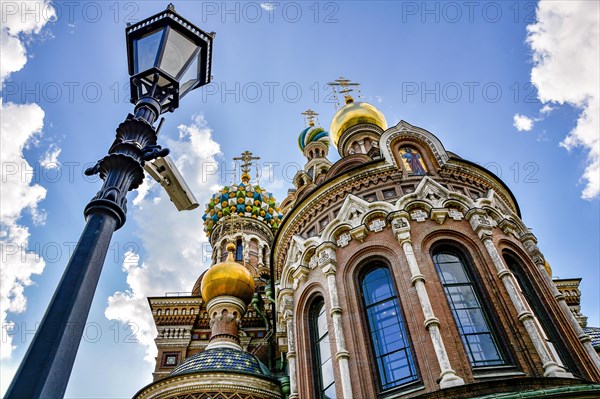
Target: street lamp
{"points": [[168, 57]]}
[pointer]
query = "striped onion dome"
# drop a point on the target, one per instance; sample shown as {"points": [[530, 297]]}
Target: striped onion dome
{"points": [[312, 134]]}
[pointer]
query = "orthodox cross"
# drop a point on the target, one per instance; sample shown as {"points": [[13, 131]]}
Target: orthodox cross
{"points": [[310, 116], [247, 159], [232, 219], [344, 87]]}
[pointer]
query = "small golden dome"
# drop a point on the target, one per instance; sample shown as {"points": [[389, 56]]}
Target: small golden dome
{"points": [[548, 268], [352, 114], [228, 278]]}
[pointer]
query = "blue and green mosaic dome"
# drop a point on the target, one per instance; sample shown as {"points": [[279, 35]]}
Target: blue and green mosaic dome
{"points": [[311, 134], [245, 199], [222, 359]]}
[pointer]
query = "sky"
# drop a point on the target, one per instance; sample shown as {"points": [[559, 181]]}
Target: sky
{"points": [[512, 86]]}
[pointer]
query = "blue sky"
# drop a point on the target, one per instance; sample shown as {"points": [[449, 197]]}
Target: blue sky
{"points": [[462, 70]]}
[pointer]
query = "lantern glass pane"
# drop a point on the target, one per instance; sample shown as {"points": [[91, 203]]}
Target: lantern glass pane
{"points": [[147, 50], [189, 78], [178, 51]]}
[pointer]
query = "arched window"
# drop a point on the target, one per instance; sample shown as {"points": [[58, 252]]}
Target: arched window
{"points": [[321, 348], [473, 324], [544, 322], [393, 354], [239, 250]]}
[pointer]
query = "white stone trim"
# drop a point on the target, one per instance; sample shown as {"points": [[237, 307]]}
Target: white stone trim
{"points": [[530, 243], [448, 377], [404, 128], [483, 228], [328, 266]]}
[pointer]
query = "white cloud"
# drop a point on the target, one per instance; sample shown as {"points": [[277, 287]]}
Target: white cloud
{"points": [[175, 246], [566, 48], [522, 123], [19, 124], [12, 55], [267, 6], [50, 158], [20, 20], [542, 137], [546, 109]]}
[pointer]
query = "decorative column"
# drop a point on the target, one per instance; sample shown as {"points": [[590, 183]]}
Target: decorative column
{"points": [[401, 229], [287, 303], [217, 259], [530, 243], [225, 318], [246, 249], [327, 262], [260, 254], [268, 258], [483, 228]]}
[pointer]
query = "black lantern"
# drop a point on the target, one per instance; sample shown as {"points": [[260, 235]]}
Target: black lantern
{"points": [[168, 57]]}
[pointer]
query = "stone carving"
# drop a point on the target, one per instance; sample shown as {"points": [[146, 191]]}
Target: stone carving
{"points": [[455, 214], [343, 240], [287, 305], [419, 215], [323, 257], [433, 197], [377, 225], [359, 233], [354, 216], [399, 223]]}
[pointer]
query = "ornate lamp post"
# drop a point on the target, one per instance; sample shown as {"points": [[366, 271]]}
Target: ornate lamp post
{"points": [[168, 57]]}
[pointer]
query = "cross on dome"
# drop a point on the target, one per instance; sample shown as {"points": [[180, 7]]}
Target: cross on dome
{"points": [[246, 158], [344, 87], [231, 220], [310, 116]]}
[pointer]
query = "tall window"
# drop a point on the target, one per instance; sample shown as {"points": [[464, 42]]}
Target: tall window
{"points": [[544, 322], [395, 362], [321, 348], [239, 250], [473, 324]]}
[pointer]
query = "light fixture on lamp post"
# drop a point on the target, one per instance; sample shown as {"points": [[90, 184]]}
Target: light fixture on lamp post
{"points": [[167, 58]]}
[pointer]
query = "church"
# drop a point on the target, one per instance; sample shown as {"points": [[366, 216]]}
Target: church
{"points": [[400, 271]]}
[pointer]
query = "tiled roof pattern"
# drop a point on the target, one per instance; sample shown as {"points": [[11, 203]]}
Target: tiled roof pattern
{"points": [[594, 333], [221, 359]]}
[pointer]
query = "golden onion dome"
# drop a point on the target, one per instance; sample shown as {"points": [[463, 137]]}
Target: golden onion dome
{"points": [[548, 268], [354, 113], [228, 278]]}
